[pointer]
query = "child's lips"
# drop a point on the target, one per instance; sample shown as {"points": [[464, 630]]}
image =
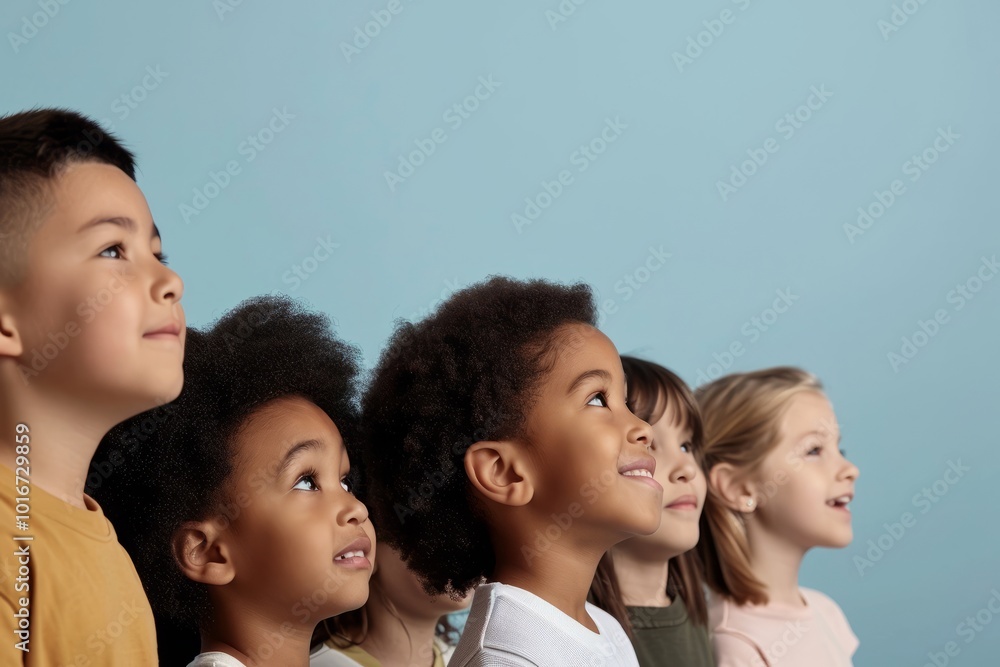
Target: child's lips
{"points": [[169, 331], [355, 554], [687, 502]]}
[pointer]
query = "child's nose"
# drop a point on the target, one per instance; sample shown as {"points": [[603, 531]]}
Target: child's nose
{"points": [[354, 512], [168, 286]]}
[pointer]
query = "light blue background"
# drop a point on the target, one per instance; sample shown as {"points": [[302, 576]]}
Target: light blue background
{"points": [[449, 224]]}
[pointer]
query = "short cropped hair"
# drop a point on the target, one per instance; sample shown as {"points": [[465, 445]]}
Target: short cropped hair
{"points": [[35, 146], [464, 374]]}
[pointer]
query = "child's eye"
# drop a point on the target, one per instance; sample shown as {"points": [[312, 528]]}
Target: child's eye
{"points": [[347, 484], [686, 447], [815, 451], [599, 397], [115, 250], [160, 256], [306, 483]]}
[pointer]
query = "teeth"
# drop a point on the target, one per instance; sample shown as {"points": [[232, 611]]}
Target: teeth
{"points": [[638, 472], [351, 554], [842, 500]]}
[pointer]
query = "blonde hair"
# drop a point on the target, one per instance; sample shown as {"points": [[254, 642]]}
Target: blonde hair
{"points": [[741, 416]]}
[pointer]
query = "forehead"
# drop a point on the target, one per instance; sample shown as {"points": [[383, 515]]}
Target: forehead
{"points": [[87, 190], [809, 412], [274, 427], [578, 348]]}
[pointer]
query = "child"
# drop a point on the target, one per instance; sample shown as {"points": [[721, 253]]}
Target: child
{"points": [[399, 626], [238, 510], [652, 584], [500, 447], [91, 333], [778, 486]]}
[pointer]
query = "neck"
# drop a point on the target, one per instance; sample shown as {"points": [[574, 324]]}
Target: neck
{"points": [[776, 562], [642, 581], [560, 574], [401, 639], [62, 438], [256, 640]]}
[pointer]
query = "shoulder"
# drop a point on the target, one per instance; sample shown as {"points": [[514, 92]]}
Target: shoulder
{"points": [[604, 620], [736, 650], [324, 656], [215, 659], [831, 613]]}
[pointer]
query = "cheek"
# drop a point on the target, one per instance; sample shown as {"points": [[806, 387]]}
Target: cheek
{"points": [[700, 485]]}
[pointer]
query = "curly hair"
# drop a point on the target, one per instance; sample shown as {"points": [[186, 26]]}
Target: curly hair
{"points": [[467, 373], [172, 464]]}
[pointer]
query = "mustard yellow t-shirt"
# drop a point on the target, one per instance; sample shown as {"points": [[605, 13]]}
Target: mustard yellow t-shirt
{"points": [[76, 583]]}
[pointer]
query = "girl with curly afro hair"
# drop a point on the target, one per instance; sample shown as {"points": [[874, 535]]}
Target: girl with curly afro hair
{"points": [[500, 454], [235, 500]]}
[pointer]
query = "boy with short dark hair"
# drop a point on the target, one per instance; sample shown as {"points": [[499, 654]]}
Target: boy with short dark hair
{"points": [[91, 333]]}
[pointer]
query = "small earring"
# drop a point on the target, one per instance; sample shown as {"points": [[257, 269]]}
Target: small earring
{"points": [[750, 502]]}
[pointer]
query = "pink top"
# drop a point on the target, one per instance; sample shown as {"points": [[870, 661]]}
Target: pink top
{"points": [[817, 635]]}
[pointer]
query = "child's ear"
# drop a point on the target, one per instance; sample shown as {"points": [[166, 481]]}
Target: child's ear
{"points": [[10, 341], [201, 554], [733, 489], [499, 471]]}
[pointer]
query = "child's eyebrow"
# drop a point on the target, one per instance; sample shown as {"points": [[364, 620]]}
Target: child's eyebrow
{"points": [[294, 452], [126, 223], [583, 377]]}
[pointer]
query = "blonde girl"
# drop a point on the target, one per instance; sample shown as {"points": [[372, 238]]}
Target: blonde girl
{"points": [[779, 485]]}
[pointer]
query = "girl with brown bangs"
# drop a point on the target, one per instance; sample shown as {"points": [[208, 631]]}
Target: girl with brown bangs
{"points": [[652, 584]]}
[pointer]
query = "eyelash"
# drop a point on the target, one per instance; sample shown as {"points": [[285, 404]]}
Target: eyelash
{"points": [[311, 476], [158, 255], [345, 483], [600, 395]]}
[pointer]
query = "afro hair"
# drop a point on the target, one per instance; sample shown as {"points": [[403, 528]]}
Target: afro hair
{"points": [[170, 465], [466, 373]]}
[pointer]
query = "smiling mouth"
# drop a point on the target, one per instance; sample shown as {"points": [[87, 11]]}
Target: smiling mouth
{"points": [[355, 555], [841, 502], [638, 472]]}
